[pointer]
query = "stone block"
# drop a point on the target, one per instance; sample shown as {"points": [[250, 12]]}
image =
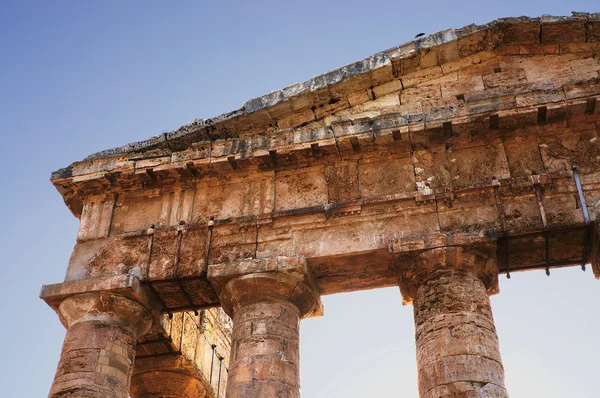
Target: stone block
{"points": [[342, 182], [504, 79], [300, 190], [563, 32], [398, 178]]}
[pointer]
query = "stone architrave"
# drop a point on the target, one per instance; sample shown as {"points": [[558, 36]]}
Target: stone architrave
{"points": [[266, 298]]}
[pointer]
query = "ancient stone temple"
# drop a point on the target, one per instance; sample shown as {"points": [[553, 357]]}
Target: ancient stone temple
{"points": [[434, 166]]}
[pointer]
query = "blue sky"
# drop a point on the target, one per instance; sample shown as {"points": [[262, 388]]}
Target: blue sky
{"points": [[81, 76]]}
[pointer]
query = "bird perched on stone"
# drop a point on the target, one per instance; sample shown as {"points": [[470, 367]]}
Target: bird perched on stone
{"points": [[419, 35]]}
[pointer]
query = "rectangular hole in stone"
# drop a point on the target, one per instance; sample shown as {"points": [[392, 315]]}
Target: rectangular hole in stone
{"points": [[494, 122], [460, 97], [396, 135], [590, 106], [542, 113], [273, 155], [355, 144], [315, 150], [233, 162], [151, 174], [447, 126]]}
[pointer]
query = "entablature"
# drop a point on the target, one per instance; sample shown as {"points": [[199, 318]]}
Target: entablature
{"points": [[510, 74]]}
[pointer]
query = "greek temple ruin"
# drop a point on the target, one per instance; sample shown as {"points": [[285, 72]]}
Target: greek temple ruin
{"points": [[434, 166]]}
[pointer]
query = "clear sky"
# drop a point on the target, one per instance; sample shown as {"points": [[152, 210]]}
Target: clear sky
{"points": [[77, 77]]}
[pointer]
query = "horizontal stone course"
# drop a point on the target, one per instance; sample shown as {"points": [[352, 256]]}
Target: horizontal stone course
{"points": [[470, 40]]}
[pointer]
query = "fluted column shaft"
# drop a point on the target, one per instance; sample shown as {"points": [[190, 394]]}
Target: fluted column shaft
{"points": [[265, 360], [457, 346], [99, 348], [458, 354], [266, 299]]}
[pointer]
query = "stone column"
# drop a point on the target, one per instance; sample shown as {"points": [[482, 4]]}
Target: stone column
{"points": [[266, 298], [99, 348], [457, 347]]}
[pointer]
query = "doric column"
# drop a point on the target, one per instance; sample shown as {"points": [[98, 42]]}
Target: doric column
{"points": [[99, 348], [104, 317], [457, 346], [166, 377], [266, 299]]}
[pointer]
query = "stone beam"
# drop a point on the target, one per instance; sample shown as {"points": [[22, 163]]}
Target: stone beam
{"points": [[266, 298], [195, 346]]}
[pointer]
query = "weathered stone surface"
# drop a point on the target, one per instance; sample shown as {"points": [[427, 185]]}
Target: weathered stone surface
{"points": [[457, 346], [166, 384], [416, 270], [195, 346], [466, 139], [266, 299], [265, 351], [277, 279], [99, 348]]}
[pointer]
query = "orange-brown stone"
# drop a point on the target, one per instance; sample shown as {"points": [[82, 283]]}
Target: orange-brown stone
{"points": [[166, 384], [99, 349], [457, 346], [414, 167], [266, 298]]}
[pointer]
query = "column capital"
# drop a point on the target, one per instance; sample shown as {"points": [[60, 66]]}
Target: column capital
{"points": [[105, 307], [117, 299], [416, 268], [266, 280], [104, 318]]}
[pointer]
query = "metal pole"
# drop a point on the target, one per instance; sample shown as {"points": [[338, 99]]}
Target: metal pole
{"points": [[212, 361], [219, 384], [586, 216]]}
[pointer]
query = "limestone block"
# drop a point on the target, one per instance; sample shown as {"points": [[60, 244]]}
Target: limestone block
{"points": [[136, 213], [482, 163], [420, 93], [504, 79], [342, 182], [517, 33], [297, 190], [560, 152], [394, 86], [523, 156], [563, 32], [396, 177], [432, 170], [469, 213]]}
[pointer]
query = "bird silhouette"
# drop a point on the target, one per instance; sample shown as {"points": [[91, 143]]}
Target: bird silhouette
{"points": [[419, 35]]}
